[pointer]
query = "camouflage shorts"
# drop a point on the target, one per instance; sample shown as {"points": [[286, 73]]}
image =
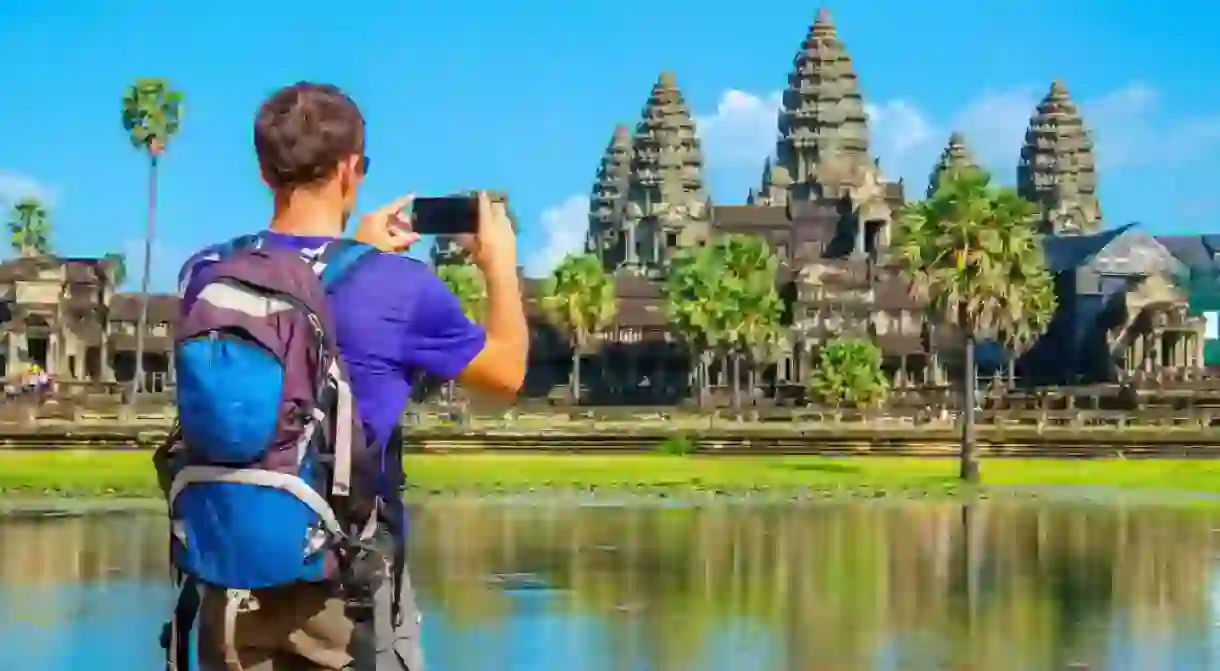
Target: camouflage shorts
{"points": [[308, 628]]}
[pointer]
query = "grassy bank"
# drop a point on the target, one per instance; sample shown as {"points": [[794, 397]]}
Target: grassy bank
{"points": [[130, 474]]}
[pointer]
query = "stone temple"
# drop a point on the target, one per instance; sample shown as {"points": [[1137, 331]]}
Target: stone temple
{"points": [[827, 210]]}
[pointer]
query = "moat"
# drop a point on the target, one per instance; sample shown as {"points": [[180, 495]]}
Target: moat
{"points": [[527, 585]]}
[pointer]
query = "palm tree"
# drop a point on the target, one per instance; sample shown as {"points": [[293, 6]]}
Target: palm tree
{"points": [[750, 286], [118, 267], [29, 228], [972, 253], [152, 113], [579, 297], [466, 282], [698, 309]]}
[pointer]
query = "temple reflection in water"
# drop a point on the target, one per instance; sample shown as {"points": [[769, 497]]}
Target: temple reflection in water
{"points": [[995, 586]]}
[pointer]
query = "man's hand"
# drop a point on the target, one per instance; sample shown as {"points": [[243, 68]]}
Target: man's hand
{"points": [[494, 247], [386, 228]]}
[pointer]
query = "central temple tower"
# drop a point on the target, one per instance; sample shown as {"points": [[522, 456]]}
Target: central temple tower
{"points": [[823, 154]]}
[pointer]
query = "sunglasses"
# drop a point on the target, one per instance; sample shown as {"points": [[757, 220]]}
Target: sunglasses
{"points": [[364, 165]]}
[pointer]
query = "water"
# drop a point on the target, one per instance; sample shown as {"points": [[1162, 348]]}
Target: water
{"points": [[868, 586]]}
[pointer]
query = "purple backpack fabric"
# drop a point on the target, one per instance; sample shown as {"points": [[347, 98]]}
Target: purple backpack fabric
{"points": [[272, 477]]}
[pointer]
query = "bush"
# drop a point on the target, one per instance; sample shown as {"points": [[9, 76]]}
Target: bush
{"points": [[849, 374], [677, 446]]}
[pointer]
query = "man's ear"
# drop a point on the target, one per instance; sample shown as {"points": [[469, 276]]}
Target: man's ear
{"points": [[349, 173]]}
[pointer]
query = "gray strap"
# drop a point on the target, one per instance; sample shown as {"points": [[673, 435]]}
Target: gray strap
{"points": [[343, 431], [236, 601], [316, 418], [282, 481], [242, 300]]}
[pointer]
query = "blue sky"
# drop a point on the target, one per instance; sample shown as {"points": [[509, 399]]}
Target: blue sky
{"points": [[523, 96]]}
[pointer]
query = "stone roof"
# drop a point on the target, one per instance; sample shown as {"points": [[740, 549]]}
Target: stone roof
{"points": [[1065, 253], [741, 216], [1195, 251], [161, 308], [76, 269], [126, 342]]}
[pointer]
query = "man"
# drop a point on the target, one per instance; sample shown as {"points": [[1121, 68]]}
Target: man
{"points": [[393, 319]]}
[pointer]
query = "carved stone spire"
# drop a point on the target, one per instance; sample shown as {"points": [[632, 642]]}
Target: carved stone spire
{"points": [[822, 117], [609, 196], [956, 156], [666, 190], [1057, 171]]}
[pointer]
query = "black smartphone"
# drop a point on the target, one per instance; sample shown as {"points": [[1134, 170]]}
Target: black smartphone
{"points": [[450, 215]]}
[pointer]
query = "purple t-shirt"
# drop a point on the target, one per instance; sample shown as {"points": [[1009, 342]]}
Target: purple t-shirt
{"points": [[393, 319]]}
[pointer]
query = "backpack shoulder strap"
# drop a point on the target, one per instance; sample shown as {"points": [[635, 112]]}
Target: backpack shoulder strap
{"points": [[339, 259], [214, 253]]}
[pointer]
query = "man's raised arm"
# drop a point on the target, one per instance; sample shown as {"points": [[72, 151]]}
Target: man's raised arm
{"points": [[499, 368]]}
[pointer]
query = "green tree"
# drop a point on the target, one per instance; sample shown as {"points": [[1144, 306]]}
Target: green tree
{"points": [[466, 282], [579, 297], [118, 267], [973, 255], [754, 305], [29, 227], [698, 309], [151, 114], [848, 373]]}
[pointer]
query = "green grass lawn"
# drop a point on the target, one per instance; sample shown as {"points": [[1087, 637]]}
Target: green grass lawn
{"points": [[130, 474]]}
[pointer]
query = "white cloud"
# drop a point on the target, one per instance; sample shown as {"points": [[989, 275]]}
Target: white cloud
{"points": [[14, 186], [564, 227], [742, 130]]}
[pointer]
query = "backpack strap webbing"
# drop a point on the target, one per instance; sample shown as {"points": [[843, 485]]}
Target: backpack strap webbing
{"points": [[338, 259]]}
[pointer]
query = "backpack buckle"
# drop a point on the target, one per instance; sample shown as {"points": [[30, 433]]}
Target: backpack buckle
{"points": [[244, 601]]}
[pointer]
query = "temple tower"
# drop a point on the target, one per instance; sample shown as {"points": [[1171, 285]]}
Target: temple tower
{"points": [[1057, 171], [956, 156], [667, 205], [609, 198], [822, 125]]}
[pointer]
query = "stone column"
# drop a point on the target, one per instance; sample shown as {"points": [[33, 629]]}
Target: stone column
{"points": [[10, 355], [53, 348], [631, 258]]}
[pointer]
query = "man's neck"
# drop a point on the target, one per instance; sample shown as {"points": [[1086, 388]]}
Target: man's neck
{"points": [[307, 215]]}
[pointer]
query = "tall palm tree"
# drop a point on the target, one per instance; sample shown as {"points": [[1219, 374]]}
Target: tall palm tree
{"points": [[466, 282], [972, 254], [29, 227], [152, 114], [579, 297]]}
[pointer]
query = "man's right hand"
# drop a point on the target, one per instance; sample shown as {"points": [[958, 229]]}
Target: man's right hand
{"points": [[494, 248]]}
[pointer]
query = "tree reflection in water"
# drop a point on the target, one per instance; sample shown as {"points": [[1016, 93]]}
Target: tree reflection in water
{"points": [[911, 586]]}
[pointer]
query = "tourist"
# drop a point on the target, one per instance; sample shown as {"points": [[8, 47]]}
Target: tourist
{"points": [[393, 318]]}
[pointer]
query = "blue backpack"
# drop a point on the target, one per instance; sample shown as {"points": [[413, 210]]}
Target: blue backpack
{"points": [[270, 479]]}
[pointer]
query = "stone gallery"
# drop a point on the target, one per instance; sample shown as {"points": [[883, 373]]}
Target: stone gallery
{"points": [[827, 210]]}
